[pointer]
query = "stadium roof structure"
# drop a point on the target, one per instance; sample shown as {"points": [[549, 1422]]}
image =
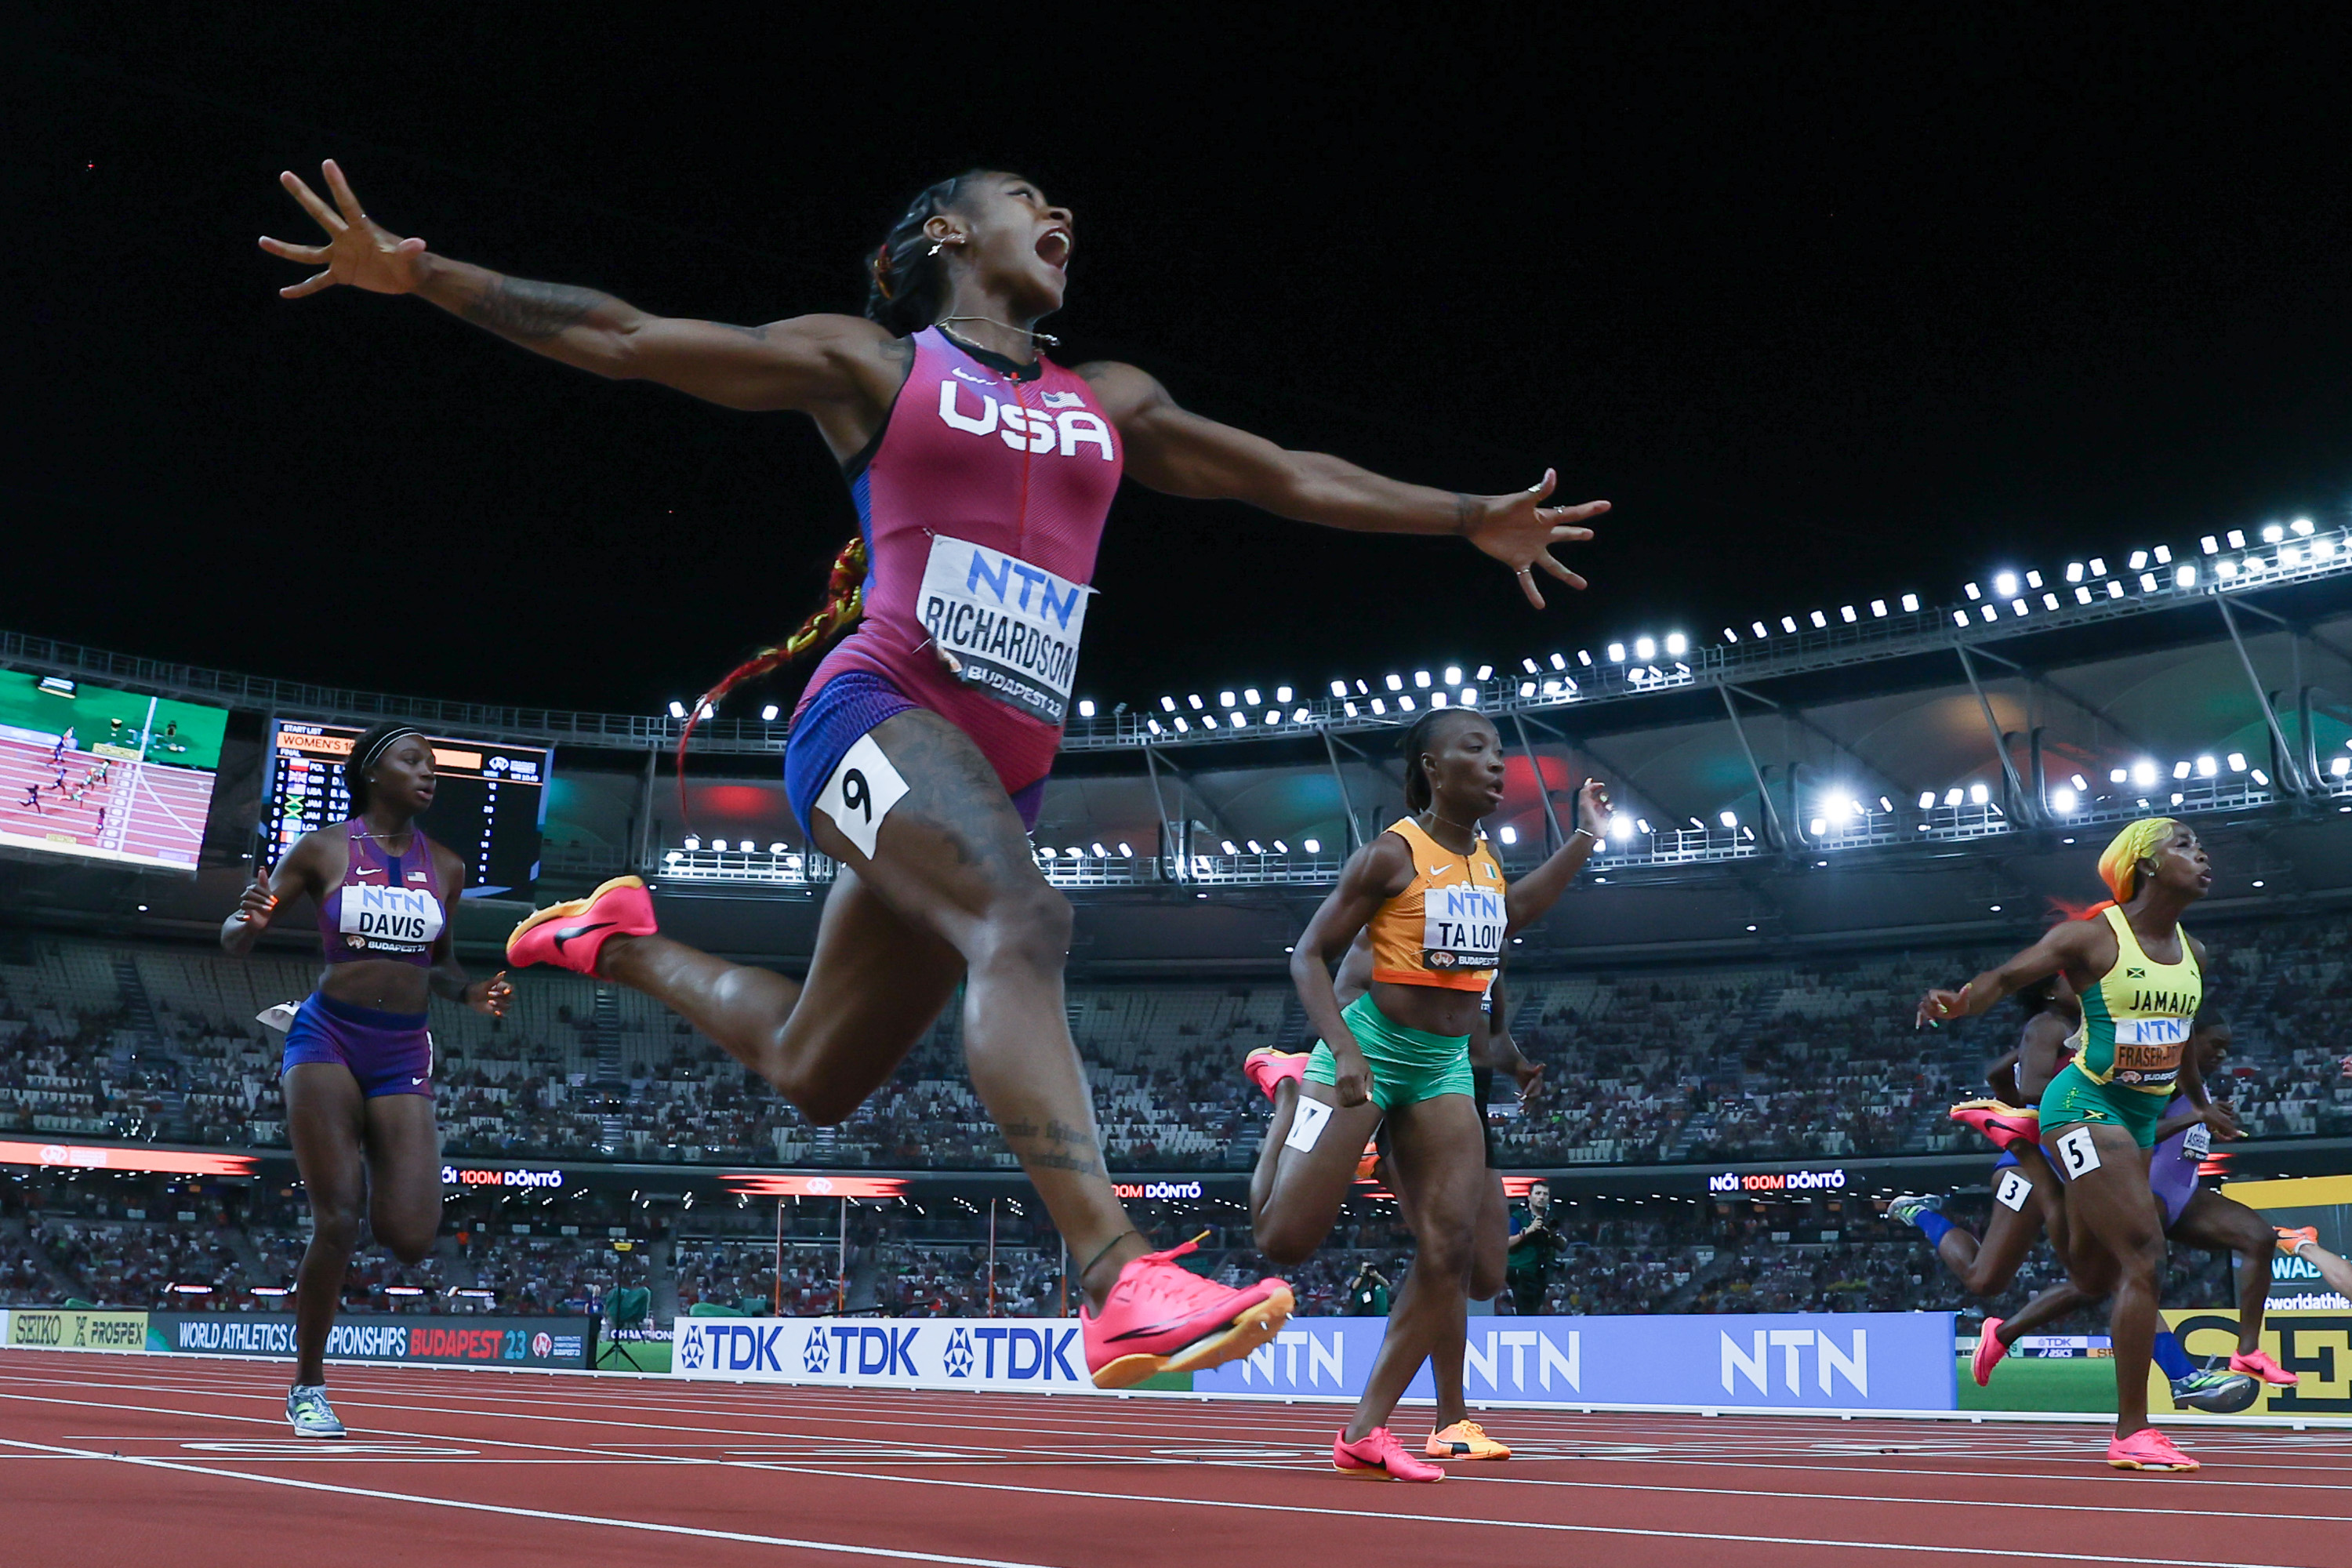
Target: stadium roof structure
{"points": [[1872, 766]]}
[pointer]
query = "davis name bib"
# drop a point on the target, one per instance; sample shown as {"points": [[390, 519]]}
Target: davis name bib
{"points": [[1461, 929], [1005, 626], [390, 919]]}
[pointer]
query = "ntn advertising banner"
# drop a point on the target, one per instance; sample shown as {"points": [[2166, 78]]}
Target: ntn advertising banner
{"points": [[1025, 1354], [1838, 1362], [402, 1337], [1847, 1361]]}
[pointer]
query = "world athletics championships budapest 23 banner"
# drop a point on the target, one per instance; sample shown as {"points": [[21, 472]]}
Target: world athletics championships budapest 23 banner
{"points": [[1856, 1361]]}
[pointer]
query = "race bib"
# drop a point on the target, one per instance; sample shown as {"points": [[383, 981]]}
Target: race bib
{"points": [[1306, 1125], [2078, 1153], [389, 920], [1006, 627], [1462, 930], [861, 793], [2012, 1192], [2197, 1141]]}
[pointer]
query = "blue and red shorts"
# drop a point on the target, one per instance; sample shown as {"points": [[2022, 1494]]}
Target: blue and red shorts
{"points": [[845, 708]]}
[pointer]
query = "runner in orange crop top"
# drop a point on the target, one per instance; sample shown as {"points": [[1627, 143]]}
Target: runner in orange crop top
{"points": [[1432, 898]]}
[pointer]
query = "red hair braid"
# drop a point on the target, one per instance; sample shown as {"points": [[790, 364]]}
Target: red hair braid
{"points": [[844, 605]]}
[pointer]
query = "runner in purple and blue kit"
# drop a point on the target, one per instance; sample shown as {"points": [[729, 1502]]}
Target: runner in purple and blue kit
{"points": [[358, 1072]]}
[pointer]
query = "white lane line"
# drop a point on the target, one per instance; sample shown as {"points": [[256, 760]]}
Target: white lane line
{"points": [[538, 1513], [1489, 1479]]}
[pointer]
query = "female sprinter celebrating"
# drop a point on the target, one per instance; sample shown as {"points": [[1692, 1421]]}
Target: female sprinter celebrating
{"points": [[358, 1074], [2141, 979], [982, 473], [1438, 911]]}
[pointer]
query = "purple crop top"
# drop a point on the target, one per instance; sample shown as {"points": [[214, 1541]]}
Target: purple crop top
{"points": [[389, 906]]}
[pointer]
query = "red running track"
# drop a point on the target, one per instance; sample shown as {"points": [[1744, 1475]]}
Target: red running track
{"points": [[127, 1459]]}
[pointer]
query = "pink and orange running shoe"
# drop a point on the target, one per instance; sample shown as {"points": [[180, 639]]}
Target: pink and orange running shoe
{"points": [[2148, 1449], [1267, 1068], [2006, 1125], [571, 934], [1162, 1317], [2260, 1364], [1990, 1351], [1380, 1458]]}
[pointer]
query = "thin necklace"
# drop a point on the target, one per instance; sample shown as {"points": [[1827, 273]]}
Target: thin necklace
{"points": [[1469, 828], [1031, 334]]}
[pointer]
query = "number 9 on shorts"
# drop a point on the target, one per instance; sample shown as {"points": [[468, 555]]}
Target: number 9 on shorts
{"points": [[861, 793]]}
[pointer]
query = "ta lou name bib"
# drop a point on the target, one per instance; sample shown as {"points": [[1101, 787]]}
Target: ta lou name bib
{"points": [[1461, 929], [390, 919], [1005, 626]]}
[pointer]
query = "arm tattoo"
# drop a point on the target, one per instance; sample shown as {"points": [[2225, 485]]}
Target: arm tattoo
{"points": [[527, 312], [1465, 513]]}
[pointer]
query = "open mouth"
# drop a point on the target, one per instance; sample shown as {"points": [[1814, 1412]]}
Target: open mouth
{"points": [[1053, 246]]}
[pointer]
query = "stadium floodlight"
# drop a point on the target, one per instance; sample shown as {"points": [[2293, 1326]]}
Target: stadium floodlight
{"points": [[1208, 721], [1510, 834], [1168, 705], [1954, 795], [1758, 627], [1620, 827], [1911, 604], [2017, 606], [2143, 772], [2209, 545], [1280, 848], [1086, 707], [2099, 566], [676, 708], [1225, 699], [2340, 766], [1789, 623], [1338, 689], [2114, 589], [673, 858], [2180, 770], [1421, 679], [1312, 846], [2005, 584], [776, 848], [1695, 822], [1645, 649], [1255, 847], [1154, 725], [1972, 591], [692, 842], [1677, 645], [1819, 826], [2083, 593], [2147, 581], [1239, 720], [1927, 799], [1281, 694], [1878, 609], [1393, 682], [1960, 617], [1469, 697], [2237, 762], [1405, 704], [1730, 636], [1351, 707], [1437, 700], [1046, 852], [2063, 800], [1557, 662], [2074, 571], [1126, 851], [1980, 796], [1840, 806], [1274, 715], [2303, 526], [2289, 555], [2033, 579], [1099, 850], [2049, 601], [1532, 666], [1379, 707], [2237, 537], [2138, 560], [2322, 549], [1182, 727], [1845, 613], [1299, 715], [2272, 534], [1820, 620], [768, 713], [1643, 822], [1453, 675], [1194, 699], [1527, 689], [1885, 804], [1230, 848], [2184, 576], [1616, 653], [2208, 766], [2258, 777], [1989, 612], [1729, 819], [2178, 797]]}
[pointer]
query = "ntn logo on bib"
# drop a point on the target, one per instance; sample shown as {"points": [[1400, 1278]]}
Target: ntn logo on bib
{"points": [[1462, 928], [389, 917], [1012, 628]]}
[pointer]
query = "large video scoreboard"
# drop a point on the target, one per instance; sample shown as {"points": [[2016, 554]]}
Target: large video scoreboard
{"points": [[103, 774], [490, 803]]}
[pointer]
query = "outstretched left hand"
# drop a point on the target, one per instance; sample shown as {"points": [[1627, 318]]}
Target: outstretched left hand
{"points": [[1518, 530], [491, 995]]}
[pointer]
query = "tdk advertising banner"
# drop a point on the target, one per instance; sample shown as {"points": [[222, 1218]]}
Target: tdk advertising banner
{"points": [[1860, 1360]]}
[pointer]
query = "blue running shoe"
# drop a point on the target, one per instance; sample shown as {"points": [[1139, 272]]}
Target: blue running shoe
{"points": [[306, 1408]]}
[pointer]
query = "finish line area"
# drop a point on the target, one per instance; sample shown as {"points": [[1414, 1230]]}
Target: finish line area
{"points": [[126, 1456]]}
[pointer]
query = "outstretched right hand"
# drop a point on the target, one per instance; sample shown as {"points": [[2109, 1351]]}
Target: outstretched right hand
{"points": [[358, 250], [256, 907]]}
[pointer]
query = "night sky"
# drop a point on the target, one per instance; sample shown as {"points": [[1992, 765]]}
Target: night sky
{"points": [[1830, 312]]}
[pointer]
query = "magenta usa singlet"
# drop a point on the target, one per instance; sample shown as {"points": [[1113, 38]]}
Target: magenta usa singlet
{"points": [[387, 906], [983, 501]]}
